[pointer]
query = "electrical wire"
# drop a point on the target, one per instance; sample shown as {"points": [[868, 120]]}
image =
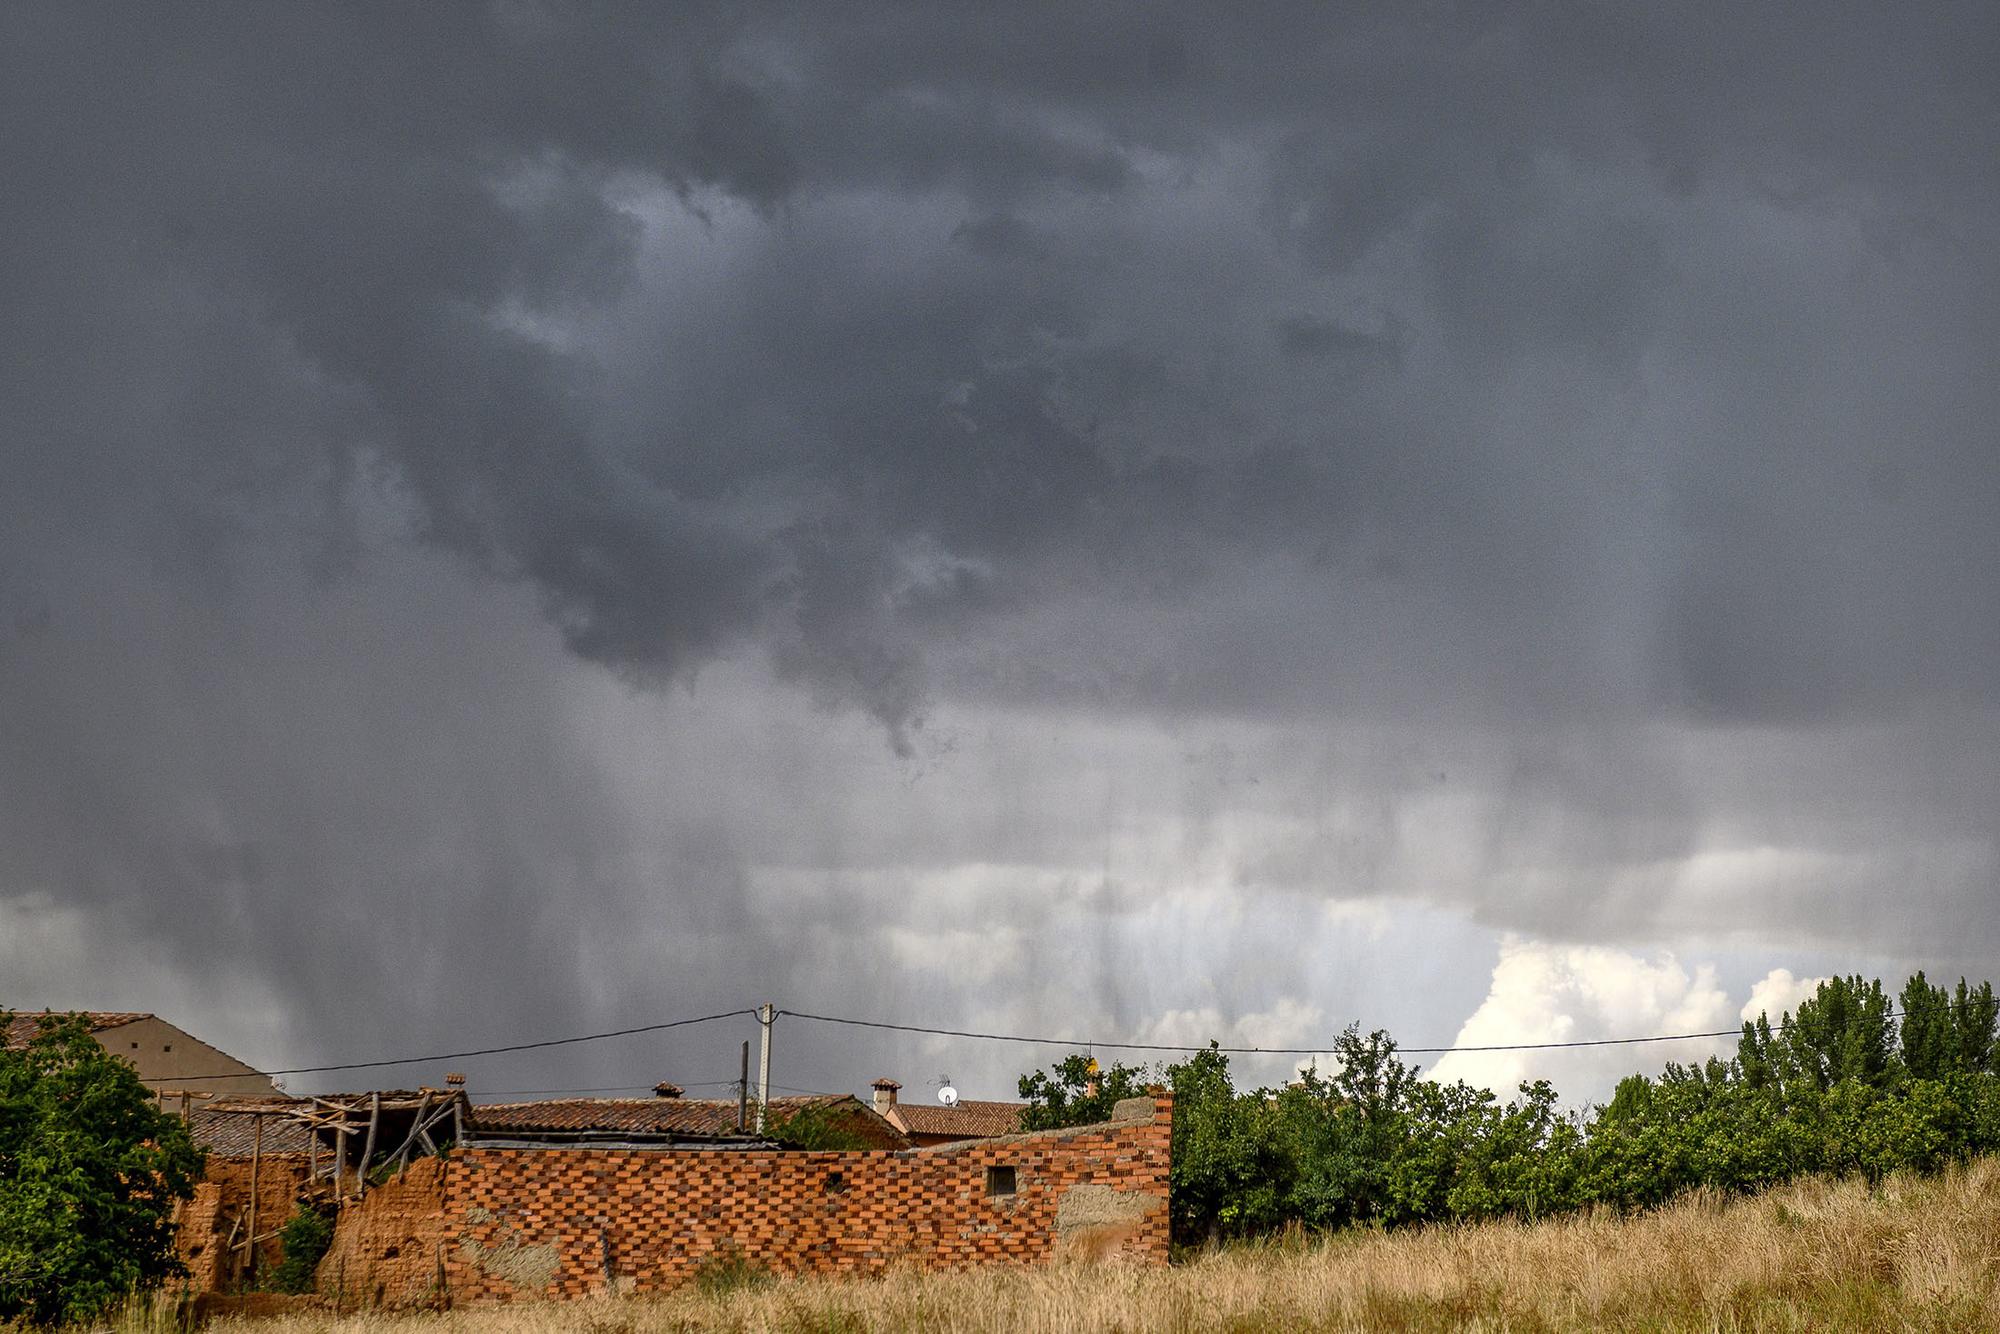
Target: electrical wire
{"points": [[1078, 1043], [929, 1031], [481, 1051]]}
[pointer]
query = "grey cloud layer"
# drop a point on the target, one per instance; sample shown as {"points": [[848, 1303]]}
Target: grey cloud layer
{"points": [[1588, 381]]}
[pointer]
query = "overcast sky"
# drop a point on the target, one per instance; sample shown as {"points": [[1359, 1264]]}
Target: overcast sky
{"points": [[1134, 521]]}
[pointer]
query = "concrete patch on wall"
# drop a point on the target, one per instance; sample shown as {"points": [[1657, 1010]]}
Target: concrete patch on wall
{"points": [[530, 1268], [1094, 1222]]}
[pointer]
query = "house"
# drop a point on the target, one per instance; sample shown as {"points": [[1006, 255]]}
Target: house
{"points": [[667, 1118], [926, 1124], [170, 1060]]}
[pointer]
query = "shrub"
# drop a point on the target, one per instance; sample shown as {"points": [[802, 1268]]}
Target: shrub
{"points": [[816, 1127], [306, 1237]]}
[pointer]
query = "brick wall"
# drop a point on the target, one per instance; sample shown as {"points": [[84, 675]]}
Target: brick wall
{"points": [[500, 1224], [221, 1204]]}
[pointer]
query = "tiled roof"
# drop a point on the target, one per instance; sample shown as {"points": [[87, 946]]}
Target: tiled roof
{"points": [[650, 1116], [232, 1134], [667, 1116], [967, 1119], [22, 1028]]}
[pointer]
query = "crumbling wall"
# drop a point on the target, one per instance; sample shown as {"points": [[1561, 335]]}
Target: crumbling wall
{"points": [[389, 1246], [220, 1209], [502, 1224]]}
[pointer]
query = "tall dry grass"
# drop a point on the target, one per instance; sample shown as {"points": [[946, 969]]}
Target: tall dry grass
{"points": [[1906, 1254]]}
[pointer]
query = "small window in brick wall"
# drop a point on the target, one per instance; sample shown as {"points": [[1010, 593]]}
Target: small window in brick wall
{"points": [[999, 1181], [835, 1184]]}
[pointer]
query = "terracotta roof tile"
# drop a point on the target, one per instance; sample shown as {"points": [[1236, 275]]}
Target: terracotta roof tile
{"points": [[969, 1119], [661, 1116], [21, 1029], [232, 1134]]}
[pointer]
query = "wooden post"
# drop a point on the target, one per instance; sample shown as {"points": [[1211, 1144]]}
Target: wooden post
{"points": [[416, 1132], [340, 1161], [743, 1092], [368, 1146], [256, 1162]]}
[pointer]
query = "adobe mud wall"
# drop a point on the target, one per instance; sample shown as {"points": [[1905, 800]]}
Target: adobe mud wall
{"points": [[220, 1211], [505, 1224]]}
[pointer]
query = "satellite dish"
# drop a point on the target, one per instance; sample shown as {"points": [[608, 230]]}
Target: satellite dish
{"points": [[948, 1096]]}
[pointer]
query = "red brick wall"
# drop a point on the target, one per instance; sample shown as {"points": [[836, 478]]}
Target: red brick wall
{"points": [[510, 1223], [221, 1198]]}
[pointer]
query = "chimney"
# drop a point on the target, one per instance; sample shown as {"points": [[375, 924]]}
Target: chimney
{"points": [[664, 1090], [885, 1093]]}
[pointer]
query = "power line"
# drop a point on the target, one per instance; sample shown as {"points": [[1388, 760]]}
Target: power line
{"points": [[607, 1088], [1077, 1043], [481, 1051], [927, 1030]]}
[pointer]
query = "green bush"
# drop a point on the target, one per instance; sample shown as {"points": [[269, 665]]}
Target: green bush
{"points": [[816, 1127], [307, 1235]]}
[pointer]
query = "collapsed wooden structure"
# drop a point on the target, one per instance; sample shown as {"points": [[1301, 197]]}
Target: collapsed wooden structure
{"points": [[348, 1134], [349, 1142]]}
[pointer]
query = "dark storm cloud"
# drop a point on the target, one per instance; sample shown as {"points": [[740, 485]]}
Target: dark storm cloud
{"points": [[1500, 367], [402, 195]]}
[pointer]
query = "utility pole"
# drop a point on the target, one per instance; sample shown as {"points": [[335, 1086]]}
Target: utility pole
{"points": [[743, 1092], [766, 1016]]}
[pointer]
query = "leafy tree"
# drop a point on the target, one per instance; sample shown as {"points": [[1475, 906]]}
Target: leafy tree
{"points": [[1837, 1087], [1074, 1092], [90, 1169], [1229, 1177], [1345, 1130], [1976, 1015], [1842, 1032], [1947, 1033]]}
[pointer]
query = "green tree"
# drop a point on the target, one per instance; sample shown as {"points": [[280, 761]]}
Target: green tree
{"points": [[1947, 1032], [1929, 1031], [1841, 1032], [1229, 1178], [90, 1169], [1976, 1014], [1075, 1092], [1835, 1088]]}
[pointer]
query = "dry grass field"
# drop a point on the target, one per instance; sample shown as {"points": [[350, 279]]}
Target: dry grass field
{"points": [[1907, 1254]]}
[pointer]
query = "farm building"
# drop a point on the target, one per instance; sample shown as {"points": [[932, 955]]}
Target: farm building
{"points": [[170, 1060], [441, 1199]]}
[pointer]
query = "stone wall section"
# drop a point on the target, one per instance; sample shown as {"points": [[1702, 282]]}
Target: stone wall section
{"points": [[505, 1224]]}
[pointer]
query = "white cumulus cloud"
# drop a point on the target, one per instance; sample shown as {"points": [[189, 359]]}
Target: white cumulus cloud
{"points": [[1576, 993], [1778, 993]]}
